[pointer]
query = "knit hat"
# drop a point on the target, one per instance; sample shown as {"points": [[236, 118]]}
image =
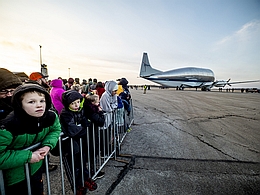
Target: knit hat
{"points": [[8, 79], [70, 96], [36, 75]]}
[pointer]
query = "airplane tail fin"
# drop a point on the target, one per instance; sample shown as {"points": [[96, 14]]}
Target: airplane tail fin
{"points": [[146, 69]]}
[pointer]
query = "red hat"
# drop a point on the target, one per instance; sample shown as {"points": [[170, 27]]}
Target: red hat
{"points": [[36, 75]]}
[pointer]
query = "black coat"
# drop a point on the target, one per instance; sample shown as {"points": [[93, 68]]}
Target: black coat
{"points": [[93, 114], [74, 125]]}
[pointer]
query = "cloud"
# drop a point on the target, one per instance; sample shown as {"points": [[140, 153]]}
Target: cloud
{"points": [[248, 32], [19, 45], [251, 26]]}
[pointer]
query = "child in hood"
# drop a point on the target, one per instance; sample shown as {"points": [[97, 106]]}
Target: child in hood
{"points": [[29, 123], [108, 100], [56, 94], [108, 103], [74, 124], [96, 116]]}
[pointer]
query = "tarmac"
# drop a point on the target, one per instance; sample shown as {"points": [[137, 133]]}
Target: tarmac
{"points": [[187, 142]]}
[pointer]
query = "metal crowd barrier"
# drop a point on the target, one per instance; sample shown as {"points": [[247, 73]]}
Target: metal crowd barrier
{"points": [[110, 137]]}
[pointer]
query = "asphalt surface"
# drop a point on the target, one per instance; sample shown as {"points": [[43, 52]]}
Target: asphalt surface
{"points": [[187, 142]]}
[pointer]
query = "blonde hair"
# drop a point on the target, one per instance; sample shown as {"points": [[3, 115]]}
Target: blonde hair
{"points": [[92, 97], [76, 87]]}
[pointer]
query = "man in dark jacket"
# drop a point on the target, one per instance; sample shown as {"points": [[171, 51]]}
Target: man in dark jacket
{"points": [[8, 83]]}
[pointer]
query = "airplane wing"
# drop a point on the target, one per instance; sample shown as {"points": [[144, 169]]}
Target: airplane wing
{"points": [[244, 82], [224, 83]]}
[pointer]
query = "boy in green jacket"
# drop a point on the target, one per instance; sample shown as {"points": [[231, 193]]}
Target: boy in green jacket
{"points": [[31, 122]]}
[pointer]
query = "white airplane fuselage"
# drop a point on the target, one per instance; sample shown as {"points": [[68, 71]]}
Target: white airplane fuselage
{"points": [[189, 76], [182, 77]]}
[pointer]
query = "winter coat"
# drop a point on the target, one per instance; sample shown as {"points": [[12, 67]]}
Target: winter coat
{"points": [[5, 107], [119, 102], [108, 103], [74, 123], [124, 93], [97, 119], [93, 114], [56, 94], [120, 89], [100, 91], [20, 130]]}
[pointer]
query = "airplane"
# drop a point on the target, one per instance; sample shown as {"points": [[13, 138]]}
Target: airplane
{"points": [[190, 77]]}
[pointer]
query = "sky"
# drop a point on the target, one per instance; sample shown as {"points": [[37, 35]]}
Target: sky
{"points": [[105, 39]]}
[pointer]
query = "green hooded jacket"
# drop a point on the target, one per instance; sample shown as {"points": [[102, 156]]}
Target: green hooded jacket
{"points": [[20, 130]]}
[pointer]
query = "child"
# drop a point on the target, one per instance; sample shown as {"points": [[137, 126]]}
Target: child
{"points": [[74, 124], [94, 113], [124, 94], [29, 123], [56, 94], [108, 103]]}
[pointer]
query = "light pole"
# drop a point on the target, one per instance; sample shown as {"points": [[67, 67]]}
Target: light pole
{"points": [[40, 55], [69, 72], [43, 69]]}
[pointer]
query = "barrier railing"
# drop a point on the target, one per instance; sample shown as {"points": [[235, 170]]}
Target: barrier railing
{"points": [[102, 146]]}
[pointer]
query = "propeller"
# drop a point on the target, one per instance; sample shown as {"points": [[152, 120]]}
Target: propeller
{"points": [[227, 83]]}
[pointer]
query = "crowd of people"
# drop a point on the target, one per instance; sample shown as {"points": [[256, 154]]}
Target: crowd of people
{"points": [[36, 110]]}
